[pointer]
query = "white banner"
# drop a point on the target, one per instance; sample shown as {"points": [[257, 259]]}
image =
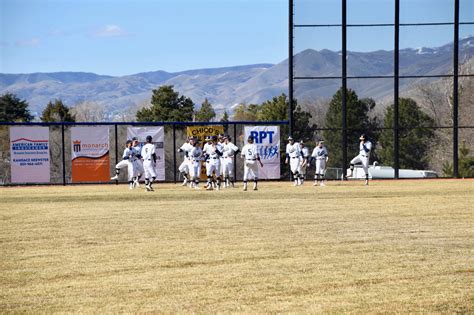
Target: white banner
{"points": [[267, 139], [158, 136], [29, 149], [90, 154]]}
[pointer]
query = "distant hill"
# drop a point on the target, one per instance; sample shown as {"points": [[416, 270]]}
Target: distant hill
{"points": [[225, 87]]}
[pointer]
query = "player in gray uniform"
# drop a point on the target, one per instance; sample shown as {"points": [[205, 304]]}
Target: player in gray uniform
{"points": [[129, 161], [228, 154], [185, 165], [251, 156], [196, 157], [304, 159], [149, 161], [138, 147], [293, 153], [212, 153], [365, 146], [320, 154]]}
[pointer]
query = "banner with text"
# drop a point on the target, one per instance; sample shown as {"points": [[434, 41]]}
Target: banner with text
{"points": [[201, 132], [90, 154], [158, 139], [267, 139], [29, 148]]}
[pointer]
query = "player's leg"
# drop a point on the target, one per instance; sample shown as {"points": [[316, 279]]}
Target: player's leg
{"points": [[218, 173], [130, 174], [197, 173], [302, 173], [255, 176], [294, 165], [118, 167], [151, 170], [352, 163], [322, 172], [246, 174], [183, 169], [209, 170], [230, 171], [365, 166], [140, 171], [317, 172]]}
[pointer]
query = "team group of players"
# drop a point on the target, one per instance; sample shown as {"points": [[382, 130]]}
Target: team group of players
{"points": [[218, 154]]}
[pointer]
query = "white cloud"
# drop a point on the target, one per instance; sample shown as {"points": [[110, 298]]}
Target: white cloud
{"points": [[111, 31], [34, 42]]}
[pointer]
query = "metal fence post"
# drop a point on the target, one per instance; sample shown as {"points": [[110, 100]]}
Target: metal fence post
{"points": [[235, 157], [396, 82], [174, 154], [290, 66], [455, 89], [64, 154], [344, 87], [116, 148]]}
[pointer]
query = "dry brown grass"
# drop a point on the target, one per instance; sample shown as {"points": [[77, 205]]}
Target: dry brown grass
{"points": [[403, 246]]}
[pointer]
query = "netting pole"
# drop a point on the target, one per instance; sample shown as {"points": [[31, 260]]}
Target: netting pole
{"points": [[116, 148], [290, 66], [63, 154], [455, 89], [396, 74], [174, 154], [235, 156], [344, 87]]}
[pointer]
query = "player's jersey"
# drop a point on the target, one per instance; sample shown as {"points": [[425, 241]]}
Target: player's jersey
{"points": [[147, 151], [305, 152], [250, 151], [196, 153], [211, 150], [364, 148], [186, 148], [130, 154], [229, 149], [293, 150], [138, 148], [320, 153]]}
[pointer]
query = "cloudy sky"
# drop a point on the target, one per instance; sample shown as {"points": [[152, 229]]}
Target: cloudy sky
{"points": [[119, 37]]}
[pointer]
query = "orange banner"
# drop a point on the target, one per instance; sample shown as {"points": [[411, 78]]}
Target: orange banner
{"points": [[86, 169]]}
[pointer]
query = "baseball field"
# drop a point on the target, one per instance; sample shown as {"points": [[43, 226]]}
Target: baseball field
{"points": [[395, 246]]}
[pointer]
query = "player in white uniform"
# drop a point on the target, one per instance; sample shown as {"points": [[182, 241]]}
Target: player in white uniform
{"points": [[251, 156], [130, 155], [320, 154], [196, 157], [212, 154], [364, 154], [220, 143], [136, 145], [293, 154], [121, 164], [304, 159], [149, 161], [186, 164], [229, 152]]}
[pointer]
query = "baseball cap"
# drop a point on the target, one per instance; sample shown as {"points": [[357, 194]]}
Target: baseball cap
{"points": [[250, 138], [290, 138], [362, 137], [135, 139], [149, 138]]}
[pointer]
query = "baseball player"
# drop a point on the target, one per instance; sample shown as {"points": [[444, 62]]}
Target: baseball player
{"points": [[121, 164], [212, 154], [304, 159], [364, 154], [220, 143], [228, 154], [251, 156], [196, 157], [293, 154], [320, 154], [149, 162], [185, 165], [139, 164]]}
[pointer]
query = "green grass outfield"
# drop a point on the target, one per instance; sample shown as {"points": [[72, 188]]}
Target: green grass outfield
{"points": [[395, 246]]}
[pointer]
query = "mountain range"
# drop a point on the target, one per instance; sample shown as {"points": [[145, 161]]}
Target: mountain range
{"points": [[226, 87]]}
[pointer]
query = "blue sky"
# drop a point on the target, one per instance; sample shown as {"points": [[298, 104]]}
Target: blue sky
{"points": [[119, 37]]}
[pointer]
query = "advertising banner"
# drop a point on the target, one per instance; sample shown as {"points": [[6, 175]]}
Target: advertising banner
{"points": [[29, 148], [201, 132], [158, 138], [90, 154], [267, 139]]}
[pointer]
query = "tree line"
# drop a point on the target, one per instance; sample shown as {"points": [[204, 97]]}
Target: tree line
{"points": [[416, 133]]}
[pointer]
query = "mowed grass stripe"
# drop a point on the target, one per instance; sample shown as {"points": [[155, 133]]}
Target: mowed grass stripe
{"points": [[390, 247]]}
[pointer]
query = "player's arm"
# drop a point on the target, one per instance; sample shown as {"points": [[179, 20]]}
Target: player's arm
{"points": [[259, 160], [125, 155]]}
